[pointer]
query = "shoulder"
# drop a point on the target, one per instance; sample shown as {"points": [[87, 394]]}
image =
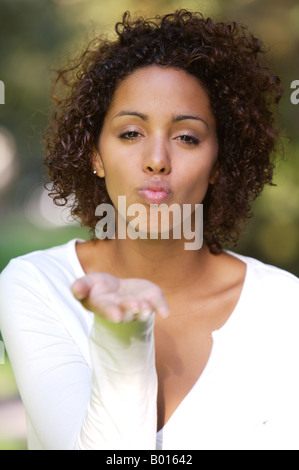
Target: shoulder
{"points": [[35, 289], [270, 297], [42, 279], [268, 276], [58, 262]]}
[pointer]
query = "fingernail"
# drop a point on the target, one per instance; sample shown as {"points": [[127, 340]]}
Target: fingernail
{"points": [[129, 315], [78, 295], [116, 318], [145, 314]]}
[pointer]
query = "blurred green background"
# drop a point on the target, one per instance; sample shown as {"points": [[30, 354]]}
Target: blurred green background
{"points": [[36, 36]]}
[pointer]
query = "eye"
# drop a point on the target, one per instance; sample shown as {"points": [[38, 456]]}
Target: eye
{"points": [[188, 139], [130, 135]]}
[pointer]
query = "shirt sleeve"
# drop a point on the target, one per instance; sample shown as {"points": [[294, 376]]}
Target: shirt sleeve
{"points": [[122, 408], [70, 405]]}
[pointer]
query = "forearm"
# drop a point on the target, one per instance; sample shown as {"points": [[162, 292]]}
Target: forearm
{"points": [[122, 411]]}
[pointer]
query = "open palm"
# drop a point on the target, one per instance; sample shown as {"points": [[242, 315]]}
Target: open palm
{"points": [[120, 300]]}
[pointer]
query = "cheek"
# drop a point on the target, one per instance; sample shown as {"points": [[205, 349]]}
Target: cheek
{"points": [[117, 176], [206, 164], [196, 178], [197, 171]]}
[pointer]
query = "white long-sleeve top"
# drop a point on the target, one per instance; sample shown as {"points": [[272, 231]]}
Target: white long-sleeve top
{"points": [[87, 383]]}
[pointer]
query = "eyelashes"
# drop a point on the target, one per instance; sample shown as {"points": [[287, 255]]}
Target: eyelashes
{"points": [[130, 135], [184, 138], [188, 139]]}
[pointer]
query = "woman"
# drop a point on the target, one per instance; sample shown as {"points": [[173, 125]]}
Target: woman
{"points": [[177, 110]]}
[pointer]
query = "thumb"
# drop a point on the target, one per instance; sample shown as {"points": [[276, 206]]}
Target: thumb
{"points": [[81, 288]]}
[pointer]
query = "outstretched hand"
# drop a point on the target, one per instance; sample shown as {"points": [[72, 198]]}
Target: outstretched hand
{"points": [[120, 300]]}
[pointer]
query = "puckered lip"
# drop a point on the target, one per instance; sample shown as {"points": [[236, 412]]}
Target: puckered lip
{"points": [[154, 192], [155, 186]]}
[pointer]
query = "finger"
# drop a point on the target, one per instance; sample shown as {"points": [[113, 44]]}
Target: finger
{"points": [[145, 314], [131, 310], [102, 282], [81, 288], [160, 306], [108, 310], [157, 302], [137, 315], [129, 304], [130, 315], [145, 311], [136, 310]]}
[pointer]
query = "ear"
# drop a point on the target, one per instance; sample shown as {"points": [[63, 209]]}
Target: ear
{"points": [[214, 173], [97, 164]]}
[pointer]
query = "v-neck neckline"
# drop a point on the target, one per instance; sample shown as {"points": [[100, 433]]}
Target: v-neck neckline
{"points": [[216, 336]]}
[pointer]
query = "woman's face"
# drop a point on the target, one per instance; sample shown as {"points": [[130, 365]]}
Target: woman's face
{"points": [[158, 142]]}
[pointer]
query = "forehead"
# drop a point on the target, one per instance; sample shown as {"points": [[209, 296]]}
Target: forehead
{"points": [[155, 87]]}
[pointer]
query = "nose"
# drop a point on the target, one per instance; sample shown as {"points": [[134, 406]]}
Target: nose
{"points": [[156, 159]]}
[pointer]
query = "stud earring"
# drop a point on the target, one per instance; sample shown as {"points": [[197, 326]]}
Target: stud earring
{"points": [[94, 172]]}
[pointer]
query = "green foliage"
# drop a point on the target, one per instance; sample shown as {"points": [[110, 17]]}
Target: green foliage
{"points": [[36, 38], [37, 35]]}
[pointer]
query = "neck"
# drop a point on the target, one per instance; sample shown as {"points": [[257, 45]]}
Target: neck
{"points": [[165, 262], [162, 244]]}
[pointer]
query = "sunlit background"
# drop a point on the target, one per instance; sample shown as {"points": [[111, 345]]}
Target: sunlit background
{"points": [[36, 36]]}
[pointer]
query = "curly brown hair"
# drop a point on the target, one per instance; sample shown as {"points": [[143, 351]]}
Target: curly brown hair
{"points": [[243, 93]]}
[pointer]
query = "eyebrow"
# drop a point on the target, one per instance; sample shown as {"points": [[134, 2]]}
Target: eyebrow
{"points": [[183, 117], [132, 113], [179, 118]]}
